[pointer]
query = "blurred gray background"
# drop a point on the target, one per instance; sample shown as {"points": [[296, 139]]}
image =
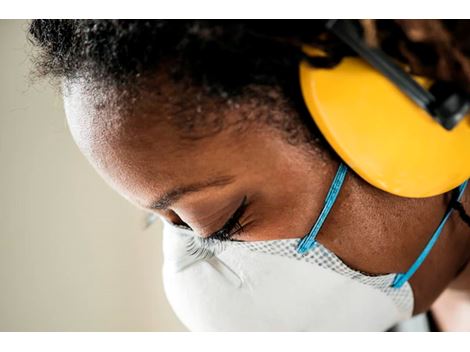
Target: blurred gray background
{"points": [[74, 255]]}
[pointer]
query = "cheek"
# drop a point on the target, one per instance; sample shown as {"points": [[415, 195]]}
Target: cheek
{"points": [[277, 216], [285, 193], [284, 204]]}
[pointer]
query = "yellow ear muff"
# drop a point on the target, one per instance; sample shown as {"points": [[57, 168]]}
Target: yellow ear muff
{"points": [[383, 135]]}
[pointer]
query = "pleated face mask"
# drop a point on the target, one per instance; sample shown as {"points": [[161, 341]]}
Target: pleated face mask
{"points": [[280, 285]]}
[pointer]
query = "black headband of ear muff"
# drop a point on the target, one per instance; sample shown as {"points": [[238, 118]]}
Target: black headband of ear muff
{"points": [[447, 104]]}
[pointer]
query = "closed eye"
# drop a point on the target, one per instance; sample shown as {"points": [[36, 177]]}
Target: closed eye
{"points": [[232, 226], [182, 225], [228, 231]]}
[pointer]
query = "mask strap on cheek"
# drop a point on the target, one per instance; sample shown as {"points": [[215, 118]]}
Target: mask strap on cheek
{"points": [[308, 241], [401, 278]]}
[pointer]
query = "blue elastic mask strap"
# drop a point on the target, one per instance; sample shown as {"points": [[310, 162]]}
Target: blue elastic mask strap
{"points": [[308, 241], [401, 278]]}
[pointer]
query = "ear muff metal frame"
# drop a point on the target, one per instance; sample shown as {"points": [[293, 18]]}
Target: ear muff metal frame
{"points": [[448, 106]]}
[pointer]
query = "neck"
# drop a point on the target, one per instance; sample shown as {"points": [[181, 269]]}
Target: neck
{"points": [[400, 228], [462, 280]]}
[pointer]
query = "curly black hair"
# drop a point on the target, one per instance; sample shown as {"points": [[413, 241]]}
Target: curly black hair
{"points": [[226, 56], [233, 53], [223, 56]]}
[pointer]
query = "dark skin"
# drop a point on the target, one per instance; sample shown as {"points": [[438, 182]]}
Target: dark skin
{"points": [[284, 184]]}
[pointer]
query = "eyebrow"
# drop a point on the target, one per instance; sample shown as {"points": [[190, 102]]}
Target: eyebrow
{"points": [[177, 193]]}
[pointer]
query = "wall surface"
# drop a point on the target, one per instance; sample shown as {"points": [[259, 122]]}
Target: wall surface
{"points": [[74, 255]]}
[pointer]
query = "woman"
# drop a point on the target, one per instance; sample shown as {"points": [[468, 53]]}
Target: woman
{"points": [[203, 123]]}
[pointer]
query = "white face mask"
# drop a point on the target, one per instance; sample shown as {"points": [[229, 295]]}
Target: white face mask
{"points": [[271, 286]]}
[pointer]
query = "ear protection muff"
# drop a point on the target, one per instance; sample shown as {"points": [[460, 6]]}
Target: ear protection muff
{"points": [[386, 125]]}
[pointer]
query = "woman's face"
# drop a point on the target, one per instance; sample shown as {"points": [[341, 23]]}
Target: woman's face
{"points": [[202, 182], [248, 170]]}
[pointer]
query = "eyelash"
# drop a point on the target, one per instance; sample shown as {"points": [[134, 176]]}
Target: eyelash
{"points": [[230, 228]]}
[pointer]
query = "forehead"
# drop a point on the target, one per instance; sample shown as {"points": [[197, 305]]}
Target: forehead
{"points": [[193, 109], [142, 150]]}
